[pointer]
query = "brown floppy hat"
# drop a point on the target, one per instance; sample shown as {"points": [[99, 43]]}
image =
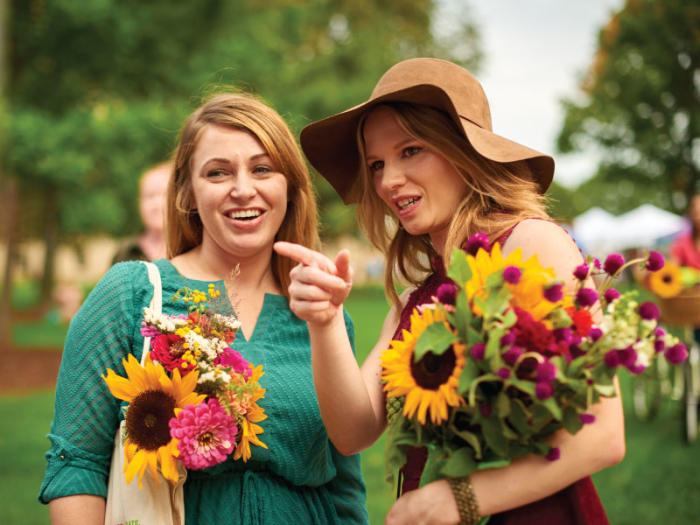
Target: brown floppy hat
{"points": [[331, 147]]}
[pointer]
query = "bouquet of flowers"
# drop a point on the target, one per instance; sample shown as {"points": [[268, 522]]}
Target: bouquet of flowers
{"points": [[503, 358], [195, 398]]}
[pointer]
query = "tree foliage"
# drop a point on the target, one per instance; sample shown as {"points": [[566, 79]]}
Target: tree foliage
{"points": [[639, 107]]}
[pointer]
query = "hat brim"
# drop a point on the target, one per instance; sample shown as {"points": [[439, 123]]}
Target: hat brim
{"points": [[331, 144]]}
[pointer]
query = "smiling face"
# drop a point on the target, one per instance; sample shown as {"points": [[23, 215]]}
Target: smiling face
{"points": [[240, 195], [420, 186]]}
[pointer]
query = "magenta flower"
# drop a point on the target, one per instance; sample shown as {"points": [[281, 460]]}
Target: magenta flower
{"points": [[611, 294], [554, 293], [512, 355], [581, 271], [613, 263], [503, 372], [659, 332], [595, 333], [546, 371], [612, 358], [206, 433], [586, 297], [476, 241], [648, 311], [586, 419], [149, 331], [544, 390], [553, 454], [447, 293], [659, 346], [507, 339], [676, 354], [478, 351], [628, 357], [233, 359], [512, 274], [655, 261]]}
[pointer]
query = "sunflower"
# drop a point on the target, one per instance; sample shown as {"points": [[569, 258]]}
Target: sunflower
{"points": [[527, 294], [429, 384], [255, 414], [667, 281], [153, 398]]}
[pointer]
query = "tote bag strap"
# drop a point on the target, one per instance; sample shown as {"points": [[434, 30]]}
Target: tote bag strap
{"points": [[156, 302]]}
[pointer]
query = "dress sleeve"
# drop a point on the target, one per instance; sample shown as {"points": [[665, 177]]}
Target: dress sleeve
{"points": [[86, 415], [347, 487]]}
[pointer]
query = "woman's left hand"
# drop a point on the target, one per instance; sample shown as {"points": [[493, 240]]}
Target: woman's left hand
{"points": [[433, 504]]}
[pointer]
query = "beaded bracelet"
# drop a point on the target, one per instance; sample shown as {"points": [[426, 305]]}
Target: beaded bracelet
{"points": [[466, 502]]}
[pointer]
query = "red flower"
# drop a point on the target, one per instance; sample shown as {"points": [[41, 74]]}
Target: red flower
{"points": [[583, 321], [531, 334], [167, 349]]}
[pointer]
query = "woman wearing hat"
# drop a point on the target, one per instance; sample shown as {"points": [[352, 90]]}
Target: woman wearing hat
{"points": [[420, 153]]}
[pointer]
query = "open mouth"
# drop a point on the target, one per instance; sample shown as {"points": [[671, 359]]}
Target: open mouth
{"points": [[405, 203], [246, 215]]}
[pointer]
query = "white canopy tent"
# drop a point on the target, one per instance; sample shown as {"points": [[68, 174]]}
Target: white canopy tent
{"points": [[601, 233]]}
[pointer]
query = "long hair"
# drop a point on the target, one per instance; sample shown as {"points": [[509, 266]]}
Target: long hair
{"points": [[244, 112], [498, 197]]}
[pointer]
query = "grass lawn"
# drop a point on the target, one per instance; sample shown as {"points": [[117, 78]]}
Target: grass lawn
{"points": [[658, 481]]}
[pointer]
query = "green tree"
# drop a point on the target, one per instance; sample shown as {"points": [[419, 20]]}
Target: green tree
{"points": [[639, 107]]}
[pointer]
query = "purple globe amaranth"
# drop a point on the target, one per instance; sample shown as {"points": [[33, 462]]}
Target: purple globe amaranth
{"points": [[659, 332], [512, 274], [611, 294], [612, 358], [544, 390], [586, 297], [676, 354], [503, 372], [628, 357], [636, 368], [659, 346], [595, 333], [655, 261], [507, 339], [553, 454], [476, 241], [554, 293], [581, 271], [478, 350], [586, 419], [447, 293], [648, 311], [512, 354], [613, 263], [546, 371]]}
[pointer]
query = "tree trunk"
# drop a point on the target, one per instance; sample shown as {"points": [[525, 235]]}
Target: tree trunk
{"points": [[9, 200], [50, 218]]}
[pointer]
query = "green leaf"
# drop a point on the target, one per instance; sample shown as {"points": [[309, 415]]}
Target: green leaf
{"points": [[493, 345], [572, 423], [518, 418], [436, 339], [493, 434], [433, 465], [471, 439], [460, 463], [459, 270], [554, 409], [502, 405], [509, 319], [462, 315], [469, 373]]}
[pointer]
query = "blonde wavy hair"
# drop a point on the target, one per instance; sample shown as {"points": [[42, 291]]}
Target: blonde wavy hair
{"points": [[245, 112], [498, 197]]}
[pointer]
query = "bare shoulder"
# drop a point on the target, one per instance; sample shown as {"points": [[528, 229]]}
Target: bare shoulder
{"points": [[549, 241]]}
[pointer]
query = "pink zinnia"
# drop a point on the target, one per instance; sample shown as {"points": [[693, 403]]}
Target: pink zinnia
{"points": [[206, 432], [231, 358]]}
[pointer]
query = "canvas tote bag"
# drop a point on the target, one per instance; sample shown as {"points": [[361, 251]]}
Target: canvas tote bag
{"points": [[127, 504]]}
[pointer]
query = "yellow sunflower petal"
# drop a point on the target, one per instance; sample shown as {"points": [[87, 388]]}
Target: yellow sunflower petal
{"points": [[119, 386], [136, 466], [136, 373], [152, 464], [168, 465]]}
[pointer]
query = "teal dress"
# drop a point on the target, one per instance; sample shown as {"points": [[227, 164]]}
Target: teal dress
{"points": [[301, 478]]}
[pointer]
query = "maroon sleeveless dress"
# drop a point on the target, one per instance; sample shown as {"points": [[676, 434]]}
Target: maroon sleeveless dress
{"points": [[577, 504]]}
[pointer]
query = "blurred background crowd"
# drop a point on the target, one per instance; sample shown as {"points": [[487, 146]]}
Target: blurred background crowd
{"points": [[93, 93]]}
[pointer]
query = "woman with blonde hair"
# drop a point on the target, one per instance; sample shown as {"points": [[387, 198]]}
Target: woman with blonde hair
{"points": [[422, 163], [239, 184]]}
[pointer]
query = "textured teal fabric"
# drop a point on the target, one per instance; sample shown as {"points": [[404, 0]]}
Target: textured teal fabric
{"points": [[300, 478]]}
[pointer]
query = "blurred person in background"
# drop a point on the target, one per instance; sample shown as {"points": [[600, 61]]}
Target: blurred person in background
{"points": [[240, 182], [420, 154], [685, 248], [150, 245]]}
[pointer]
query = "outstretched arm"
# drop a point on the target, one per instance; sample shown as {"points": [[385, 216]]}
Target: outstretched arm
{"points": [[350, 397]]}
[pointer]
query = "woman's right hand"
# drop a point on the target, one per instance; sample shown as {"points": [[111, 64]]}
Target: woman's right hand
{"points": [[318, 285]]}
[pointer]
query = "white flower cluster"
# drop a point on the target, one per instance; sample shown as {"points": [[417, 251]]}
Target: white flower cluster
{"points": [[211, 347], [228, 321], [162, 322]]}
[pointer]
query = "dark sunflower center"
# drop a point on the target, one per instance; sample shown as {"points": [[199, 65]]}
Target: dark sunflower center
{"points": [[433, 370], [667, 279], [147, 419]]}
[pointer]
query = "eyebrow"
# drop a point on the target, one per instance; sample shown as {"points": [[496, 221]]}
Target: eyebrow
{"points": [[223, 160], [398, 145]]}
